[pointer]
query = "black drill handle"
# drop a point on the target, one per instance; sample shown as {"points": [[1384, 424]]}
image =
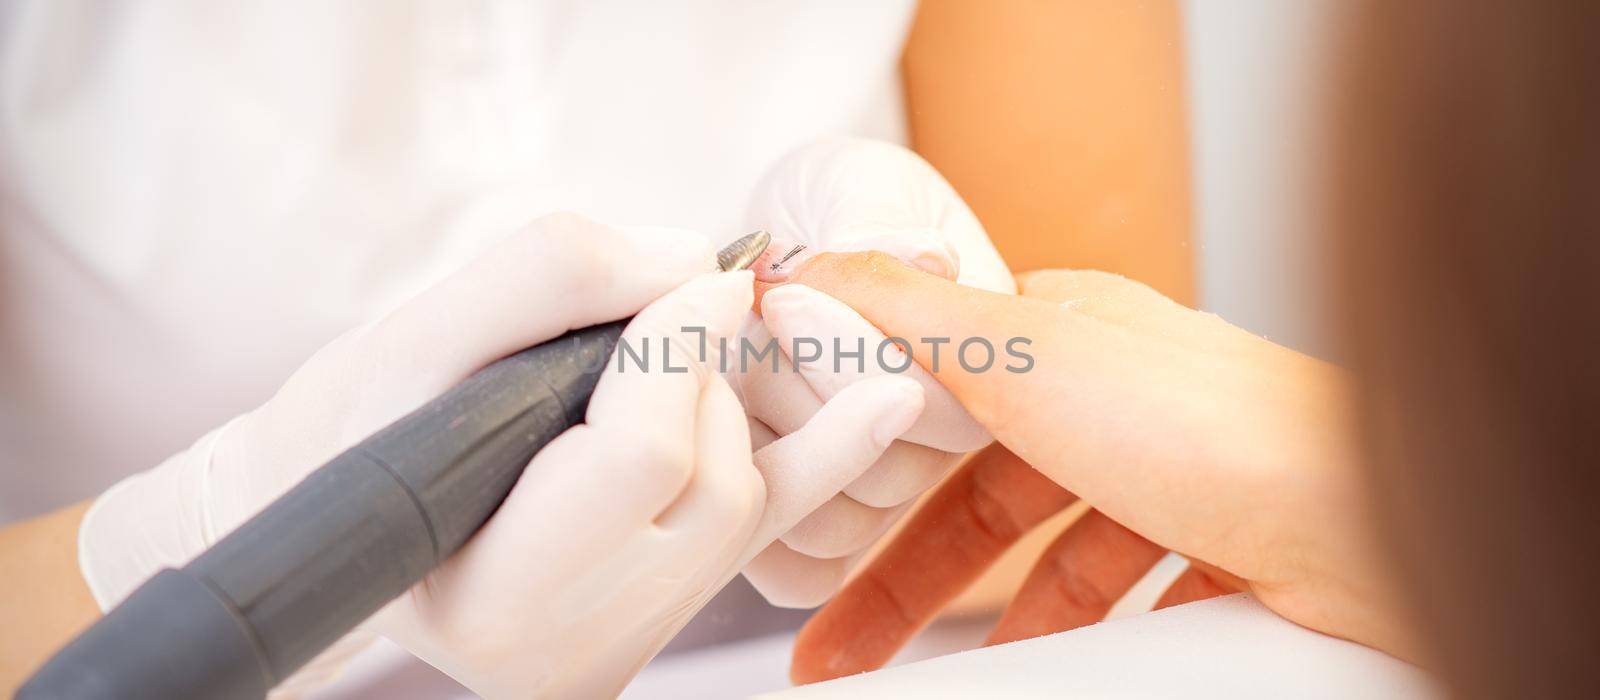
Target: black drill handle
{"points": [[349, 538]]}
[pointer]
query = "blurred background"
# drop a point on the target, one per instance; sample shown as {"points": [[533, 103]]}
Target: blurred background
{"points": [[1257, 75]]}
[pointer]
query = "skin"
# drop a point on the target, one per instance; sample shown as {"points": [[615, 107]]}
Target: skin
{"points": [[44, 596], [1183, 432], [1063, 125]]}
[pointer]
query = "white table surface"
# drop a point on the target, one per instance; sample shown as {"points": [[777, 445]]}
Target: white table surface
{"points": [[1227, 647]]}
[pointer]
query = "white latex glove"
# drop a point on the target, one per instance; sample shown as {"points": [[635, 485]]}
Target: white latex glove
{"points": [[851, 195], [624, 527], [618, 531]]}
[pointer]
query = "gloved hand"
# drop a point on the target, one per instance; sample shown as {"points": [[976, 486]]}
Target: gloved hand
{"points": [[619, 530], [853, 195]]}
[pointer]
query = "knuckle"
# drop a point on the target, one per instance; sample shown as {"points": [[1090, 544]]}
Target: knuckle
{"points": [[664, 462], [1101, 283], [828, 258], [1076, 588], [565, 223], [985, 505], [877, 259], [1054, 286], [1062, 286], [1040, 283], [1095, 538], [738, 501], [579, 245], [881, 587]]}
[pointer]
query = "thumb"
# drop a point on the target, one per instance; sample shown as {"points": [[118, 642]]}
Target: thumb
{"points": [[805, 468]]}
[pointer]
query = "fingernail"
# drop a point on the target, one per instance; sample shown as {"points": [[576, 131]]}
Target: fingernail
{"points": [[782, 258], [906, 398]]}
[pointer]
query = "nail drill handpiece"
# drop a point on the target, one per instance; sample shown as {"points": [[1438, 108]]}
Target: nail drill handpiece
{"points": [[353, 535]]}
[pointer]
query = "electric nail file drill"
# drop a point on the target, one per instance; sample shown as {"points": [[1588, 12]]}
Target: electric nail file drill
{"points": [[352, 536]]}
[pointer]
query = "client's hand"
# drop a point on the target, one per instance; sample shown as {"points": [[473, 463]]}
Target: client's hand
{"points": [[854, 195], [1185, 433]]}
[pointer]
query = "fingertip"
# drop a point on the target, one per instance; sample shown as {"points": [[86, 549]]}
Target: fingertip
{"points": [[909, 390], [788, 579], [803, 666], [904, 400], [720, 301], [889, 405], [796, 310], [761, 290], [939, 262], [783, 300], [820, 654]]}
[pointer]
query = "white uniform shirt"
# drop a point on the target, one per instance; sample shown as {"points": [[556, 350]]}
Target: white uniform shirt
{"points": [[194, 196]]}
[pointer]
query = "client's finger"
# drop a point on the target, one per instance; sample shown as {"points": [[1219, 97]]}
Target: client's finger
{"points": [[924, 249], [959, 531], [1077, 579], [1192, 585]]}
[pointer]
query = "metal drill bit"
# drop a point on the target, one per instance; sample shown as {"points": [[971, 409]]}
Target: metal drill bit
{"points": [[742, 253]]}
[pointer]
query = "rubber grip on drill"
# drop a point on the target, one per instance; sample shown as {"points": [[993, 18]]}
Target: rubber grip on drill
{"points": [[353, 535]]}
